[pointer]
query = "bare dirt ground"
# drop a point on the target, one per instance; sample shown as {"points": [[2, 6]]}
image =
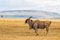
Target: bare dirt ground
{"points": [[16, 29]]}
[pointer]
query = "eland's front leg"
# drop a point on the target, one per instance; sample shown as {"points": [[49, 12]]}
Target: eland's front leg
{"points": [[36, 33], [47, 29], [35, 28]]}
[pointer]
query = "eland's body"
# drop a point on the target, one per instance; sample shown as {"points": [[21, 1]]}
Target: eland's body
{"points": [[38, 25]]}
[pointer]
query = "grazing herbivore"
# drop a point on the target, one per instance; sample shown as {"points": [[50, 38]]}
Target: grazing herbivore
{"points": [[38, 25]]}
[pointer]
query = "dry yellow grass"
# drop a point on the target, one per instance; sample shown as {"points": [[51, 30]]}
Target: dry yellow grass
{"points": [[16, 29]]}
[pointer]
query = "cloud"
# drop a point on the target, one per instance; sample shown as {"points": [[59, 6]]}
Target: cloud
{"points": [[51, 5]]}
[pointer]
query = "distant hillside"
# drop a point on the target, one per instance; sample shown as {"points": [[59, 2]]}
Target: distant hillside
{"points": [[28, 13], [20, 11]]}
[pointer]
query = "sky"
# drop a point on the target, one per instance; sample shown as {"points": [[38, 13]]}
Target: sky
{"points": [[45, 5]]}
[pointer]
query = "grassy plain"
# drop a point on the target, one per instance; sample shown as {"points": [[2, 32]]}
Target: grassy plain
{"points": [[16, 29]]}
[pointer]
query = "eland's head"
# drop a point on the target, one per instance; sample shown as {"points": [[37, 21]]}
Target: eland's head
{"points": [[28, 20]]}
